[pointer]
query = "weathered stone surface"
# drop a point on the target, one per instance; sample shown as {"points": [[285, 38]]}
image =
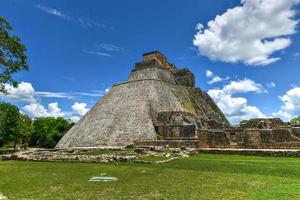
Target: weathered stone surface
{"points": [[161, 59], [262, 123], [140, 154], [129, 111], [253, 152], [254, 138], [185, 77]]}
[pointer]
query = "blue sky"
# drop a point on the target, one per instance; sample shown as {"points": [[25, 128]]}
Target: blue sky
{"points": [[78, 49]]}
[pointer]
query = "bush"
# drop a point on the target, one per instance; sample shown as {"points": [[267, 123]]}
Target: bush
{"points": [[47, 131]]}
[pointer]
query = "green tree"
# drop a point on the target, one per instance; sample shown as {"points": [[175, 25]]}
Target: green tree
{"points": [[295, 121], [9, 122], [47, 131], [12, 55], [25, 129], [243, 122]]}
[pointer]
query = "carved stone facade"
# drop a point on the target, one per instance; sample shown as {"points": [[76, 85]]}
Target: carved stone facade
{"points": [[255, 134]]}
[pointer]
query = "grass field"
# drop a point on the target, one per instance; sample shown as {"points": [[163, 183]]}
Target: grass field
{"points": [[203, 176]]}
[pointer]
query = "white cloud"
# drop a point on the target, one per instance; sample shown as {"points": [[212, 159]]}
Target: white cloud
{"points": [[104, 49], [53, 11], [107, 90], [98, 53], [291, 104], [55, 95], [209, 74], [214, 78], [82, 21], [271, 85], [37, 110], [249, 33], [109, 47], [243, 86], [237, 108], [54, 110], [34, 108], [199, 27], [75, 118], [24, 92], [80, 108]]}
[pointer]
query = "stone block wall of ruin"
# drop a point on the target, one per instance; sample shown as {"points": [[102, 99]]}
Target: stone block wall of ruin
{"points": [[277, 138]]}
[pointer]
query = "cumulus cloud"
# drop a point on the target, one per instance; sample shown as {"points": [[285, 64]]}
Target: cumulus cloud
{"points": [[80, 108], [249, 33], [237, 108], [37, 110], [291, 104], [243, 86], [214, 78], [53, 110], [24, 92]]}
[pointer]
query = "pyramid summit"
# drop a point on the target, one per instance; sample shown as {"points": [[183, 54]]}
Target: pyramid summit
{"points": [[158, 100]]}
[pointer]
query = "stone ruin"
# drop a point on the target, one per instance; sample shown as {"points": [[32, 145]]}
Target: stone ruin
{"points": [[257, 133], [159, 105]]}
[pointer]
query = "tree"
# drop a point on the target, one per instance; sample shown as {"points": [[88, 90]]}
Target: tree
{"points": [[9, 122], [25, 129], [243, 122], [47, 131], [295, 121], [12, 55]]}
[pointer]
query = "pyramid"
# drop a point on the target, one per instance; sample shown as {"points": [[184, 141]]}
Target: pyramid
{"points": [[157, 94]]}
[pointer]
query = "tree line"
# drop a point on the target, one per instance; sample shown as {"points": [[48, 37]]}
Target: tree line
{"points": [[17, 130]]}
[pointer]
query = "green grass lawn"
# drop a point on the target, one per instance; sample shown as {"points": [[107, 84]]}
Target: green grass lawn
{"points": [[203, 176]]}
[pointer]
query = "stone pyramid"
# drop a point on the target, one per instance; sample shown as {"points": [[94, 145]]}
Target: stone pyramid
{"points": [[156, 95]]}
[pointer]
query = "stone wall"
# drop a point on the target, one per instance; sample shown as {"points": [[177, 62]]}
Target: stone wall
{"points": [[185, 77], [161, 59], [177, 132], [276, 138], [264, 123]]}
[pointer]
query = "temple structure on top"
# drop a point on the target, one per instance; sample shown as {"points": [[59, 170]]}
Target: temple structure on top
{"points": [[161, 59]]}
